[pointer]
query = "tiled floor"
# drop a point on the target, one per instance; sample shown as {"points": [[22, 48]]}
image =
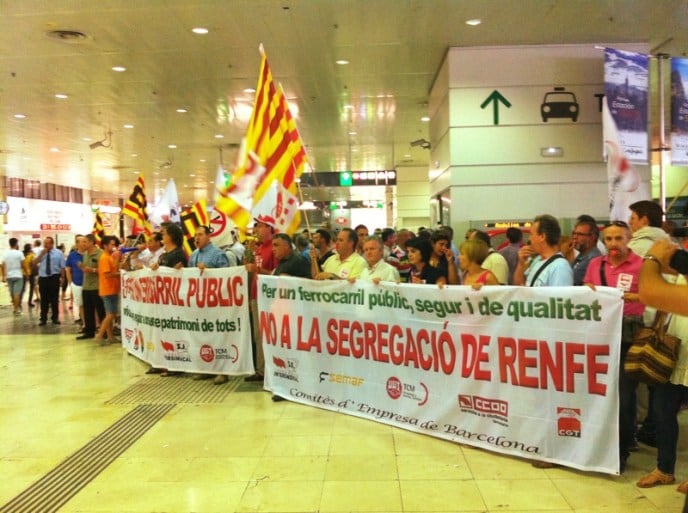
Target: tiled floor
{"points": [[248, 454]]}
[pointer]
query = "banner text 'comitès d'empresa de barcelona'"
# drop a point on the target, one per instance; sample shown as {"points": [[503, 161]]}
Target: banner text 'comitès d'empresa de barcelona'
{"points": [[529, 372]]}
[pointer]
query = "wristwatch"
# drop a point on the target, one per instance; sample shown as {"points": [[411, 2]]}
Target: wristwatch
{"points": [[652, 258]]}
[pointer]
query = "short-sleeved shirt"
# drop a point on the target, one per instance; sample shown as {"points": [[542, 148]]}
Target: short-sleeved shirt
{"points": [[293, 265], [624, 277], [108, 285], [73, 260], [57, 263], [381, 270], [91, 260], [580, 265], [496, 263], [172, 258], [351, 267], [558, 273], [264, 259], [210, 255], [428, 274], [13, 263]]}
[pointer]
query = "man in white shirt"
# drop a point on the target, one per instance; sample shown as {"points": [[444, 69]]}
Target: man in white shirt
{"points": [[12, 273], [377, 269], [344, 264]]}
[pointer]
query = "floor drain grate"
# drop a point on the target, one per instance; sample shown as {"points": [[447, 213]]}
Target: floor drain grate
{"points": [[62, 483]]}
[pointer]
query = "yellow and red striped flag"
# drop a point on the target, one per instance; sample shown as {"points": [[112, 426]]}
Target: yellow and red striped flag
{"points": [[192, 218], [272, 156], [136, 208], [98, 228]]}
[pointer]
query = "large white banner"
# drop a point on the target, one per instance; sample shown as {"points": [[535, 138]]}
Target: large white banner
{"points": [[530, 372], [188, 320]]}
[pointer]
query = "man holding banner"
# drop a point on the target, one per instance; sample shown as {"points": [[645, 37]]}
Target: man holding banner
{"points": [[207, 256], [264, 263]]}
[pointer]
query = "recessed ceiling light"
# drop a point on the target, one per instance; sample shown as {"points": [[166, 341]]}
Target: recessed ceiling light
{"points": [[182, 111], [474, 22], [119, 69], [61, 96], [172, 146], [54, 149], [127, 126], [342, 62], [249, 90], [425, 119], [192, 175], [134, 154], [20, 116], [219, 136], [202, 160], [352, 133], [199, 30]]}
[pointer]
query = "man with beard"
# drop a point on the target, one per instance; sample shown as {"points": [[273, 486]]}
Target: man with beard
{"points": [[584, 237]]}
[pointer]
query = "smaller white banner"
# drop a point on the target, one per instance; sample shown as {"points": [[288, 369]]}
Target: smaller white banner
{"points": [[188, 320]]}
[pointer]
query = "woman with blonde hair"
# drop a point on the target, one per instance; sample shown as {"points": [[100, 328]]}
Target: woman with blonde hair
{"points": [[472, 253]]}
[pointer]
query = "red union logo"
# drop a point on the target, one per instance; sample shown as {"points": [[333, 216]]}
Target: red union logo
{"points": [[394, 387], [491, 405], [207, 353], [465, 401], [568, 422]]}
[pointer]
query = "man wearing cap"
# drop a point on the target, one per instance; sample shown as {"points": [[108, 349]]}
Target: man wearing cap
{"points": [[264, 262]]}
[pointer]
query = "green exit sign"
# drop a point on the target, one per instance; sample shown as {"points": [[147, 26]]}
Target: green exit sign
{"points": [[345, 179]]}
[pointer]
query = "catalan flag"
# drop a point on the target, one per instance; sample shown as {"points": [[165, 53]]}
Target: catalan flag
{"points": [[192, 218], [98, 228], [272, 155], [136, 206]]}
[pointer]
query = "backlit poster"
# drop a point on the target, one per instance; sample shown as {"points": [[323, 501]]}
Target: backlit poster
{"points": [[679, 112], [626, 88]]}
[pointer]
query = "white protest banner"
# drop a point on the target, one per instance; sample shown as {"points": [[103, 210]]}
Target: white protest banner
{"points": [[529, 372], [188, 320]]}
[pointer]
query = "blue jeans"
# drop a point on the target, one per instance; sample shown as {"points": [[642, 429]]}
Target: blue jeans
{"points": [[667, 403]]}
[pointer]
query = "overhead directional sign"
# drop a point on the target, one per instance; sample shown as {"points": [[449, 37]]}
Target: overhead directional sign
{"points": [[495, 97]]}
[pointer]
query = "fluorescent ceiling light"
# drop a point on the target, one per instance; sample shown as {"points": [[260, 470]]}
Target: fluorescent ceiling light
{"points": [[552, 151], [474, 22], [61, 96], [199, 30], [342, 62], [119, 69]]}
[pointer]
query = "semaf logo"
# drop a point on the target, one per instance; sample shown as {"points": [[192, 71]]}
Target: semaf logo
{"points": [[568, 422]]}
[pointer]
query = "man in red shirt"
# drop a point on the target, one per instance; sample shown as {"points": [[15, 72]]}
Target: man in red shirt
{"points": [[620, 268], [264, 262]]}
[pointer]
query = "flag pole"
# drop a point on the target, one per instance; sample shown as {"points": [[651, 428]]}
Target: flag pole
{"points": [[676, 197]]}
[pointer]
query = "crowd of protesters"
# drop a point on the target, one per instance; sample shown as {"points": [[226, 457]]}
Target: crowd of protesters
{"points": [[633, 255]]}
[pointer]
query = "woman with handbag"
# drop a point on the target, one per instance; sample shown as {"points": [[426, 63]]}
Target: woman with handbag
{"points": [[668, 396]]}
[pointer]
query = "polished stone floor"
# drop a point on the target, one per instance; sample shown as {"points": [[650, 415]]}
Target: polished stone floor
{"points": [[242, 452]]}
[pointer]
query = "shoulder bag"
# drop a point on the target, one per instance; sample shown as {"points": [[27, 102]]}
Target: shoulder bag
{"points": [[652, 356]]}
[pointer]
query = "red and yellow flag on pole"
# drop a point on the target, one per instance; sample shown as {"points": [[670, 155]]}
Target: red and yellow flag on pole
{"points": [[98, 228], [271, 158], [136, 208], [191, 219]]}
